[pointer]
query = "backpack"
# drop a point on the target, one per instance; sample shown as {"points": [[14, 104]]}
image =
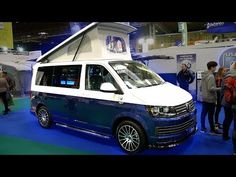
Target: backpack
{"points": [[230, 90]]}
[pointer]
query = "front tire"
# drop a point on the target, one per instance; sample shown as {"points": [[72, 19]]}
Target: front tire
{"points": [[44, 117], [130, 137]]}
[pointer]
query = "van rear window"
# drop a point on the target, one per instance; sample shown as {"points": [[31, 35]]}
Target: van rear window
{"points": [[44, 76], [59, 76]]}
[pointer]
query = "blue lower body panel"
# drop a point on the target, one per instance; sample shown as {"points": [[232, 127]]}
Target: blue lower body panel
{"points": [[169, 132]]}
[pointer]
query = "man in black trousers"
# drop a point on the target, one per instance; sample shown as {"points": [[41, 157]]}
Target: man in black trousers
{"points": [[209, 98]]}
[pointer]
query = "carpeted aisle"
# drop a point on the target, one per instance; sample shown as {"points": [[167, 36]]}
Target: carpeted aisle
{"points": [[19, 146], [20, 134]]}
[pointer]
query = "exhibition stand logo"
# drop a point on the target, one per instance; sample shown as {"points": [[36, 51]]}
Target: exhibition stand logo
{"points": [[227, 57], [221, 27], [214, 24]]}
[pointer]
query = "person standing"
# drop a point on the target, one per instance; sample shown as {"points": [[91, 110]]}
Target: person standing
{"points": [[219, 77], [185, 77], [10, 81], [209, 98], [11, 84], [227, 105], [234, 119], [233, 69], [3, 91]]}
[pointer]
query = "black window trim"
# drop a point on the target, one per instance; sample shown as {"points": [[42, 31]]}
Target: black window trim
{"points": [[53, 72]]}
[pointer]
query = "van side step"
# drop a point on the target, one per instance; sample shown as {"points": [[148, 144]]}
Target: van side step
{"points": [[84, 131]]}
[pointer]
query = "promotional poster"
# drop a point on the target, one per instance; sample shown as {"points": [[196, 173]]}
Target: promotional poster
{"points": [[190, 61], [227, 57]]}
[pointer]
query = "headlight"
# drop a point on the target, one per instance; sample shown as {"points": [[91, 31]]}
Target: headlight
{"points": [[161, 111]]}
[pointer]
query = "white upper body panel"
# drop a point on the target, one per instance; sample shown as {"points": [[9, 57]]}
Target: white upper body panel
{"points": [[165, 94]]}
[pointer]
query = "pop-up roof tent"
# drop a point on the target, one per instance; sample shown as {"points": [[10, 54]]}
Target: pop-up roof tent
{"points": [[97, 41]]}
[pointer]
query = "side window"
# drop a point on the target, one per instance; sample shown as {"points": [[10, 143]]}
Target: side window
{"points": [[115, 44], [85, 47], [96, 75], [44, 76], [66, 76], [73, 47]]}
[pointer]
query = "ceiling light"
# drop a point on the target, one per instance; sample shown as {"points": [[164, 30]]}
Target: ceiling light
{"points": [[20, 49], [42, 33]]}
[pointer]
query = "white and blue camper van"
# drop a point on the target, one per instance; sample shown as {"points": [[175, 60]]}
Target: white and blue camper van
{"points": [[90, 83]]}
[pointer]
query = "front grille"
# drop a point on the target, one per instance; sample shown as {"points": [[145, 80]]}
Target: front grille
{"points": [[166, 130], [184, 108]]}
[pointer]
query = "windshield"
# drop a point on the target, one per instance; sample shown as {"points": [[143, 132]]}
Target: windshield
{"points": [[136, 75]]}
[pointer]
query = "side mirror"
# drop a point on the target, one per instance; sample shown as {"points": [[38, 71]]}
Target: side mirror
{"points": [[108, 87]]}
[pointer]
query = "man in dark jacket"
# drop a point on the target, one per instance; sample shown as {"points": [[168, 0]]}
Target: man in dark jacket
{"points": [[185, 77], [11, 84], [10, 81], [209, 97]]}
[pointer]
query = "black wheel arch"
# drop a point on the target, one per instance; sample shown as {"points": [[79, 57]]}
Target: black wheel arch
{"points": [[39, 106]]}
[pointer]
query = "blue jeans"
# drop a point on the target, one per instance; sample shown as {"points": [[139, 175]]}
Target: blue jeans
{"points": [[208, 108]]}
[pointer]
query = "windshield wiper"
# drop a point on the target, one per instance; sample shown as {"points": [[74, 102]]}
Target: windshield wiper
{"points": [[148, 85]]}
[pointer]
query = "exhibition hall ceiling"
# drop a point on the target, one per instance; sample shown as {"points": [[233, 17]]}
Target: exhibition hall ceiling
{"points": [[171, 27], [37, 31], [45, 35]]}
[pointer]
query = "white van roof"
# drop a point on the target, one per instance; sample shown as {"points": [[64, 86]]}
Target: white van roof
{"points": [[96, 31]]}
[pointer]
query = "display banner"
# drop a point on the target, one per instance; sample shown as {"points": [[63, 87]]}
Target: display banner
{"points": [[190, 61], [221, 27], [227, 57], [6, 36]]}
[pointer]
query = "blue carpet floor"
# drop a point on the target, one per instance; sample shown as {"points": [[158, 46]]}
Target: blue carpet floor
{"points": [[20, 123]]}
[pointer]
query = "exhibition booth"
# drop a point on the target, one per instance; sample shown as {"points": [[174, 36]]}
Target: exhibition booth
{"points": [[197, 57], [19, 65], [140, 110]]}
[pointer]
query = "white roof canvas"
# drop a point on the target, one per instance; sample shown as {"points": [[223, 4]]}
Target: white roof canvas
{"points": [[92, 43]]}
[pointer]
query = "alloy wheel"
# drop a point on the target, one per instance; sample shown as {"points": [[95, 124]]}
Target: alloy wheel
{"points": [[128, 138]]}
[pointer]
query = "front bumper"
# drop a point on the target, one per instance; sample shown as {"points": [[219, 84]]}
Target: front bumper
{"points": [[169, 132], [174, 142]]}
